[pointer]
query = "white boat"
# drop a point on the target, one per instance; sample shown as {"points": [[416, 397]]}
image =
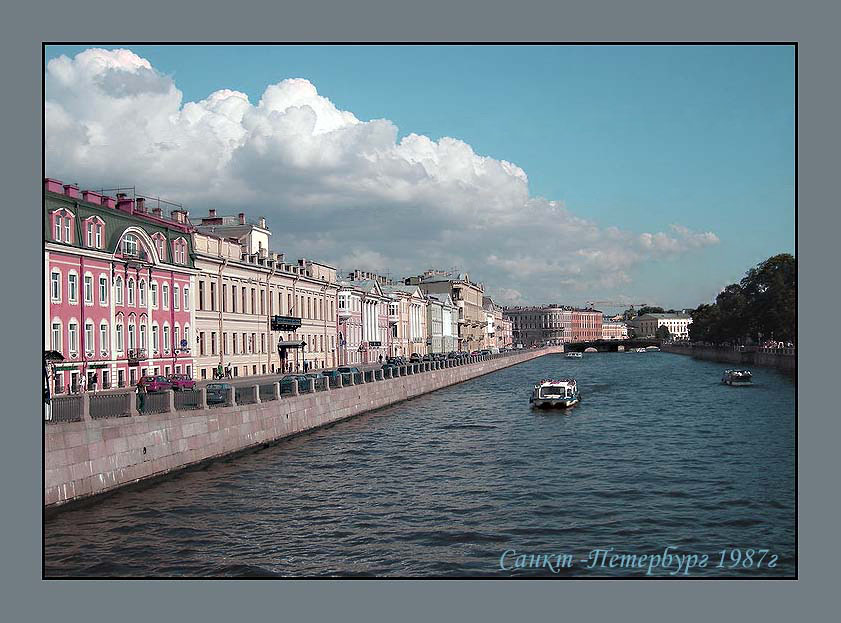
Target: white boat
{"points": [[737, 377], [574, 355], [640, 350], [552, 393], [652, 349]]}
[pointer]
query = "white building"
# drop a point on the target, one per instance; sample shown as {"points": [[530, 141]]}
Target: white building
{"points": [[677, 324]]}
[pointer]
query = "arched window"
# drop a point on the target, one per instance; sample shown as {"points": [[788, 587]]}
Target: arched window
{"points": [[103, 338], [153, 288], [119, 335], [166, 338], [176, 337], [73, 337], [175, 299], [131, 343], [118, 291], [73, 287], [142, 330], [130, 245], [141, 289], [187, 334], [55, 338], [90, 344], [156, 345], [165, 295], [55, 286], [88, 285], [103, 290], [186, 298], [160, 245], [130, 292]]}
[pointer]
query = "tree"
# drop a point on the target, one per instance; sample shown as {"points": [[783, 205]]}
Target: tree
{"points": [[649, 310], [705, 323], [771, 288], [663, 334]]}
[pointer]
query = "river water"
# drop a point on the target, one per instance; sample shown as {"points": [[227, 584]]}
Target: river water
{"points": [[469, 481]]}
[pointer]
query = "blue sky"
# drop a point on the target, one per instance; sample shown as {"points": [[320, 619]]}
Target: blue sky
{"points": [[636, 137]]}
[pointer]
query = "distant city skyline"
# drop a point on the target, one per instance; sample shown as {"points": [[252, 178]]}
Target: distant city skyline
{"points": [[565, 174]]}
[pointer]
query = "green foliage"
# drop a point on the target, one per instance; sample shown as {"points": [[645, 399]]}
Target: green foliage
{"points": [[663, 334], [649, 310], [761, 306]]}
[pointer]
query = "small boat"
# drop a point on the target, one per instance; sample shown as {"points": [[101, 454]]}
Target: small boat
{"points": [[652, 349], [640, 350], [574, 355], [551, 393], [737, 377]]}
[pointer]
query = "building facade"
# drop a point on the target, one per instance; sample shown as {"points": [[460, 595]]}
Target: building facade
{"points": [[539, 325], [256, 313], [612, 330], [677, 324], [466, 295], [119, 279], [586, 325], [407, 319], [367, 336]]}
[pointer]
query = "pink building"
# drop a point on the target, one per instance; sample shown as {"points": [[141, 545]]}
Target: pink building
{"points": [[586, 325], [118, 289]]}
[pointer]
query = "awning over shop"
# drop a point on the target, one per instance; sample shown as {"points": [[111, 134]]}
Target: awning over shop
{"points": [[291, 343], [66, 366], [97, 365]]}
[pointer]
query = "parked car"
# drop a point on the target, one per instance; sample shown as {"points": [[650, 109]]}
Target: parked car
{"points": [[286, 381], [181, 381], [217, 393], [397, 361], [153, 384], [347, 370], [484, 352]]}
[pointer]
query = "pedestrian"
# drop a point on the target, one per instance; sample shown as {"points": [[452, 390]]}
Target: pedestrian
{"points": [[228, 371], [94, 381], [220, 371], [381, 359], [141, 396], [306, 367]]}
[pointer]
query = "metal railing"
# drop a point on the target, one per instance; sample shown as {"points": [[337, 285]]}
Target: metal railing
{"points": [[188, 399], [321, 384], [304, 386], [245, 395], [369, 376], [357, 378], [286, 389], [156, 402], [346, 378], [267, 392], [110, 405], [66, 409]]}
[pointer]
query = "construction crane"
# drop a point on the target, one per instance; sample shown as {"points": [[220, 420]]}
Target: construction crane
{"points": [[592, 304]]}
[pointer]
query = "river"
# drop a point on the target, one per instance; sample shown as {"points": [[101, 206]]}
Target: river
{"points": [[469, 481]]}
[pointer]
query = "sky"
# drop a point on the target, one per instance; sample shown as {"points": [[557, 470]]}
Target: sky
{"points": [[639, 174]]}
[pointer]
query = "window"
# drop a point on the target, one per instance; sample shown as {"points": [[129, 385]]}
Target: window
{"points": [[165, 295], [201, 295], [187, 335], [130, 292], [153, 289], [103, 338], [118, 291], [166, 338], [212, 296], [73, 337], [175, 299], [161, 247], [176, 338], [262, 342], [244, 301], [262, 302], [213, 342], [56, 336], [66, 229], [57, 233], [234, 340], [89, 339], [103, 290], [55, 286], [142, 330], [253, 301], [131, 327], [99, 235], [156, 345], [234, 299], [225, 343], [130, 245], [201, 343], [72, 287], [89, 289], [224, 297], [186, 298], [90, 233], [141, 288], [119, 333]]}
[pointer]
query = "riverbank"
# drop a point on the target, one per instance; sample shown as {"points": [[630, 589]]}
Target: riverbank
{"points": [[783, 359], [92, 457]]}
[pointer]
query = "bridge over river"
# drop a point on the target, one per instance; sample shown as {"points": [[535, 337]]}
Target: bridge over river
{"points": [[607, 346]]}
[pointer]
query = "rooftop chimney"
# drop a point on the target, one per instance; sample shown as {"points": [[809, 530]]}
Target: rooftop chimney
{"points": [[140, 205], [53, 186], [263, 222], [158, 212], [92, 197], [242, 218], [123, 203], [71, 190], [211, 213], [107, 201], [179, 216]]}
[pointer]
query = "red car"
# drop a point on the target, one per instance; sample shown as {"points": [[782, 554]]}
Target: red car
{"points": [[181, 381], [154, 383]]}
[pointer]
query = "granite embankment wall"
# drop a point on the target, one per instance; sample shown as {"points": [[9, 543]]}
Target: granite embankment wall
{"points": [[94, 456], [784, 359]]}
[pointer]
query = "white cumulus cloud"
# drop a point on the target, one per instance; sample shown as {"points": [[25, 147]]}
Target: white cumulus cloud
{"points": [[332, 186]]}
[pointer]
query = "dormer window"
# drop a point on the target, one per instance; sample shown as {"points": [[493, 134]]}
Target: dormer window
{"points": [[61, 225], [130, 245], [160, 245]]}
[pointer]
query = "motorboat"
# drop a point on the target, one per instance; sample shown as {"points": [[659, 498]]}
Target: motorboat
{"points": [[555, 393], [574, 355], [737, 377], [652, 349], [639, 350]]}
